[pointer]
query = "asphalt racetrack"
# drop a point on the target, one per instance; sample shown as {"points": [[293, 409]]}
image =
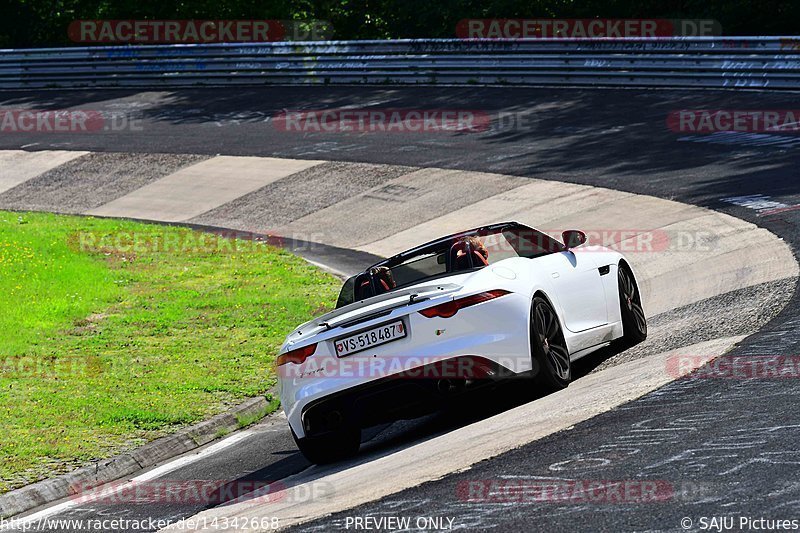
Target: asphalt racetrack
{"points": [[710, 447]]}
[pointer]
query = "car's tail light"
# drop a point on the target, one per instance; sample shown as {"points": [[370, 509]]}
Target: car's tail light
{"points": [[448, 309], [297, 356]]}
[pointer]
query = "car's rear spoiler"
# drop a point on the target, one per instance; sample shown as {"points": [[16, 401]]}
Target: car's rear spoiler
{"points": [[372, 307]]}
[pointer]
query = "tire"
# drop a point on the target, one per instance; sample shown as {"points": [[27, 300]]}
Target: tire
{"points": [[634, 322], [330, 447], [548, 347]]}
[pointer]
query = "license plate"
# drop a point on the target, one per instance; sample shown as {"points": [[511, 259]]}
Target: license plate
{"points": [[370, 338]]}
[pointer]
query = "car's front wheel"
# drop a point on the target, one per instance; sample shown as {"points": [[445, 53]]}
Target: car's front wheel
{"points": [[330, 447], [548, 347]]}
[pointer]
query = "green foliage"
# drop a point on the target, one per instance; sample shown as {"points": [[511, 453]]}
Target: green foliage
{"points": [[44, 22]]}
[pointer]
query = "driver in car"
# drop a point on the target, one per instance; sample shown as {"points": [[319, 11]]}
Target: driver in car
{"points": [[383, 279], [469, 245]]}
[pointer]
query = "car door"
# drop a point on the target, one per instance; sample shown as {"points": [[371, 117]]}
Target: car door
{"points": [[578, 287]]}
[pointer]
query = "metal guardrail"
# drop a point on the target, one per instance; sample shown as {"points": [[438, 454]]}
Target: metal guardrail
{"points": [[713, 62]]}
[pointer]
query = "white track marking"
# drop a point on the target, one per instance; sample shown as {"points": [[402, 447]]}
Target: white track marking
{"points": [[114, 489], [19, 166], [193, 190]]}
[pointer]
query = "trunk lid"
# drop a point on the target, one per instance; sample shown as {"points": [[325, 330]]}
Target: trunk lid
{"points": [[375, 307]]}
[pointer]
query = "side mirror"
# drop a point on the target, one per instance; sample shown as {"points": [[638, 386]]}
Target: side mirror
{"points": [[573, 238]]}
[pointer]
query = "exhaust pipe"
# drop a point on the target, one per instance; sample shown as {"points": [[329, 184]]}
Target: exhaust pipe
{"points": [[449, 386], [333, 420]]}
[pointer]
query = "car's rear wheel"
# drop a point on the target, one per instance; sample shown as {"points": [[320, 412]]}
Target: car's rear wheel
{"points": [[548, 347], [330, 447], [634, 323]]}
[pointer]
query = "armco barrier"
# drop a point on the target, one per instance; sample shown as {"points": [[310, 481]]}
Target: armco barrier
{"points": [[713, 62]]}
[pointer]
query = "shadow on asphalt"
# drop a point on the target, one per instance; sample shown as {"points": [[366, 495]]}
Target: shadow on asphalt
{"points": [[620, 136], [385, 439]]}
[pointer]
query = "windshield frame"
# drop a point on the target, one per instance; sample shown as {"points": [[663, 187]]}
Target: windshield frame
{"points": [[436, 247]]}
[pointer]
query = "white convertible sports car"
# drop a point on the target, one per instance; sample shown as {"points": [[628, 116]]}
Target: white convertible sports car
{"points": [[464, 310]]}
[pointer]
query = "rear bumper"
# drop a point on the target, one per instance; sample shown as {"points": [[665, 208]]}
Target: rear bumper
{"points": [[496, 330], [400, 396]]}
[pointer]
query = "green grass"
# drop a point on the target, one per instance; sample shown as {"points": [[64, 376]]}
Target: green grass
{"points": [[105, 347]]}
